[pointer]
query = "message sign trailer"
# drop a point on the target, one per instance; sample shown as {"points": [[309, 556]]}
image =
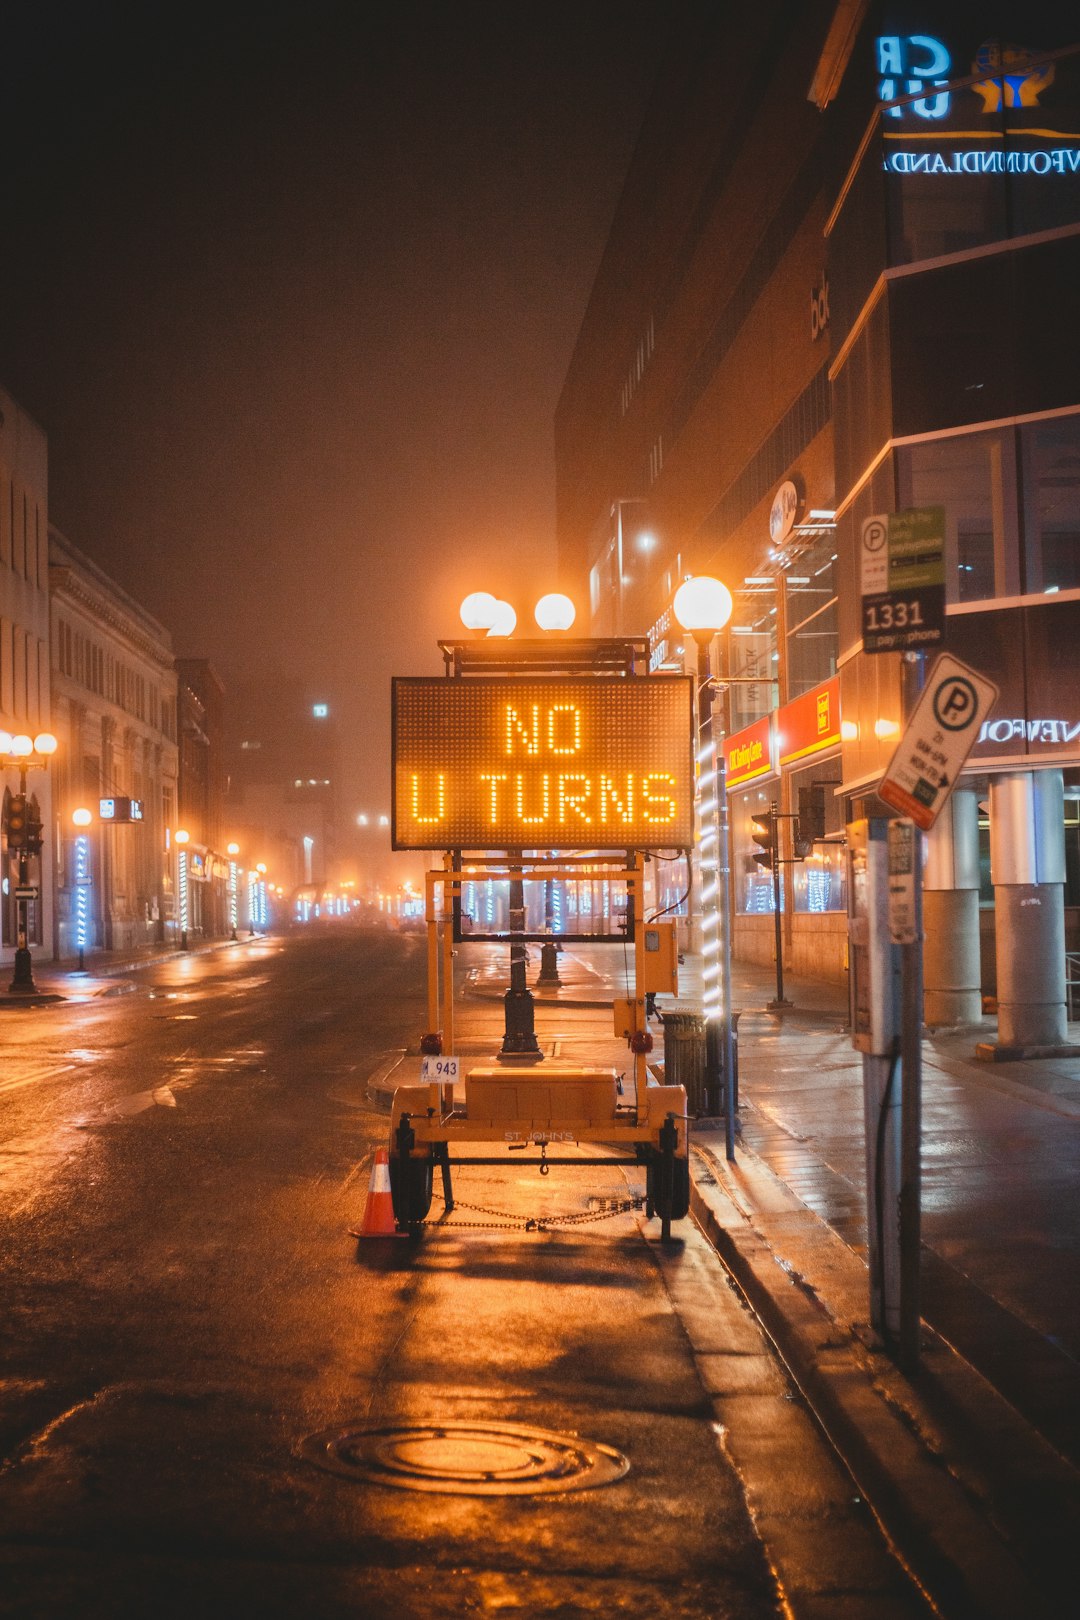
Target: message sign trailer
{"points": [[559, 746]]}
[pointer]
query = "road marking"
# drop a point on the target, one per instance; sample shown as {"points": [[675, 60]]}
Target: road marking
{"points": [[35, 1076]]}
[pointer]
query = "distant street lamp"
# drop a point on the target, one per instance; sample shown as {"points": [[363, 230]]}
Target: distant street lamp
{"points": [[82, 818], [24, 753], [182, 839], [703, 606]]}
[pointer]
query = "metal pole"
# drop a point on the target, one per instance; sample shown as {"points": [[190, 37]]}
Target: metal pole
{"points": [[774, 813], [913, 675], [715, 899], [23, 978], [519, 1037]]}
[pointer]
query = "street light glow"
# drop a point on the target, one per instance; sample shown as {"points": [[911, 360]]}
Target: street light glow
{"points": [[45, 743], [555, 611], [82, 817], [702, 603], [478, 610], [22, 746], [181, 836], [504, 621]]}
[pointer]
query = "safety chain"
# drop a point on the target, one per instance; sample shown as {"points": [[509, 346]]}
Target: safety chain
{"points": [[508, 1222]]}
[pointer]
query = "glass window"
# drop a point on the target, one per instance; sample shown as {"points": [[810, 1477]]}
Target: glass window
{"points": [[752, 654], [751, 884], [1051, 460], [813, 632], [973, 476], [819, 879]]}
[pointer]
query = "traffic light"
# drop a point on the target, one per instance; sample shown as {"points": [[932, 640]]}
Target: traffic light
{"points": [[763, 828], [16, 820], [810, 822], [33, 841]]}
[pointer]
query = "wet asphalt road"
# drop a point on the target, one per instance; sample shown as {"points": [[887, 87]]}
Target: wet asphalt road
{"points": [[181, 1305]]}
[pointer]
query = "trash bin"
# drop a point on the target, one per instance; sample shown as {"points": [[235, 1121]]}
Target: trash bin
{"points": [[684, 1057], [685, 1061]]}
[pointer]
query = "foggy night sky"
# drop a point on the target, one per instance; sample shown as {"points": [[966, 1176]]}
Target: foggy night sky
{"points": [[293, 289]]}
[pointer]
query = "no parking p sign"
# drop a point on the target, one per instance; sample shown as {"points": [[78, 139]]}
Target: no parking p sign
{"points": [[937, 741]]}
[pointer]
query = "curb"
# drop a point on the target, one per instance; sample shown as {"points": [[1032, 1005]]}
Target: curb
{"points": [[930, 1508]]}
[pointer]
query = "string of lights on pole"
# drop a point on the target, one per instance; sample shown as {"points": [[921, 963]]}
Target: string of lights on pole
{"points": [[702, 605]]}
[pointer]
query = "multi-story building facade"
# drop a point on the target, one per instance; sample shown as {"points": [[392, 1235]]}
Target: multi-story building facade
{"points": [[114, 716], [838, 286], [24, 659], [201, 791]]}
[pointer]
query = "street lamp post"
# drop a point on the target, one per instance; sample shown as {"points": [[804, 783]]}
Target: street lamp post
{"points": [[24, 753], [702, 606]]}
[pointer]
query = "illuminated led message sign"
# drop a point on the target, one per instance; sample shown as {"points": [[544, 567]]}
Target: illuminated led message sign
{"points": [[551, 762]]}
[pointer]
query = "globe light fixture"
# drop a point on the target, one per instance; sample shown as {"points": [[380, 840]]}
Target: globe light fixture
{"points": [[504, 621], [82, 817], [478, 610], [702, 604], [22, 746], [45, 743], [555, 612], [232, 849], [181, 837]]}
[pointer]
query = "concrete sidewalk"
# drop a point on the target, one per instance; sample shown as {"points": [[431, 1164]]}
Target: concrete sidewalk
{"points": [[974, 1461]]}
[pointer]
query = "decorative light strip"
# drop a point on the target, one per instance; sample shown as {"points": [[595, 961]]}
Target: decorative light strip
{"points": [[82, 891]]}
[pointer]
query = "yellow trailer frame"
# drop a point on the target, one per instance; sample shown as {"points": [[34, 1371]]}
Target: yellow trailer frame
{"points": [[542, 1104]]}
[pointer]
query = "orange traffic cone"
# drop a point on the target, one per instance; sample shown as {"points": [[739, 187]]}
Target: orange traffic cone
{"points": [[378, 1218]]}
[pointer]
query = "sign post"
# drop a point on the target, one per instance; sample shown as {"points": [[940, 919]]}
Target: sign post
{"points": [[943, 720]]}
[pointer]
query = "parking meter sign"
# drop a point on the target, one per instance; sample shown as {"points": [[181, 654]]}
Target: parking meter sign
{"points": [[937, 740]]}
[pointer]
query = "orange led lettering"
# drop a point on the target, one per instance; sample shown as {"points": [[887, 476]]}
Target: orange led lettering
{"points": [[545, 797], [494, 780], [440, 800], [658, 807], [564, 737], [624, 807], [517, 731], [570, 798]]}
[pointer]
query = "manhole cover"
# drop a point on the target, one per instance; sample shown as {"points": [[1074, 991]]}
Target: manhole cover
{"points": [[466, 1459]]}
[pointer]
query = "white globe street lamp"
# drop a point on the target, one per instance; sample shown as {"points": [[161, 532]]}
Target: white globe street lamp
{"points": [[504, 621], [478, 610], [555, 612]]}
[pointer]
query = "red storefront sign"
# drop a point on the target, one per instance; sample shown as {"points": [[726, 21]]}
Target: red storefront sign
{"points": [[748, 754], [809, 723]]}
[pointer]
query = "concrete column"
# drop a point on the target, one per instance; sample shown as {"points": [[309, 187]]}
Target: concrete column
{"points": [[1027, 864], [952, 977]]}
